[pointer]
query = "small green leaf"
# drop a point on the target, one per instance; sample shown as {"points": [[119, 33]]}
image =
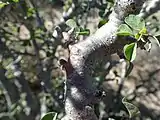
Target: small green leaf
{"points": [[102, 22], [83, 32], [30, 12], [124, 30], [132, 109], [71, 23], [135, 22], [130, 51], [2, 4], [15, 0], [50, 116]]}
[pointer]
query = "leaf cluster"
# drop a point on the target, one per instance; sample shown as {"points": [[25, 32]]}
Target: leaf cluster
{"points": [[135, 27]]}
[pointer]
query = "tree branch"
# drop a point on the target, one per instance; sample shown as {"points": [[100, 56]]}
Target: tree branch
{"points": [[81, 94]]}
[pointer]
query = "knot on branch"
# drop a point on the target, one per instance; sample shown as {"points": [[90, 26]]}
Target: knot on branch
{"points": [[125, 7]]}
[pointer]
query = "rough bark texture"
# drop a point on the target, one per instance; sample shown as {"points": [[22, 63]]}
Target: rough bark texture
{"points": [[150, 7], [81, 94]]}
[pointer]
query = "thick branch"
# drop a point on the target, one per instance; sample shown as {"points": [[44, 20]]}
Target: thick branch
{"points": [[81, 94]]}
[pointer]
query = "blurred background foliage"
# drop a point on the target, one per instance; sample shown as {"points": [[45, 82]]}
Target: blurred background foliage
{"points": [[31, 43]]}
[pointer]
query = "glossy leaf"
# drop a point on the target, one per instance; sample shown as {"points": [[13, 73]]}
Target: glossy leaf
{"points": [[132, 109], [71, 23], [50, 116], [135, 22], [130, 51], [124, 30]]}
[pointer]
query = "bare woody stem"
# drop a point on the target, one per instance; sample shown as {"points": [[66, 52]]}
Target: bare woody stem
{"points": [[80, 96]]}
